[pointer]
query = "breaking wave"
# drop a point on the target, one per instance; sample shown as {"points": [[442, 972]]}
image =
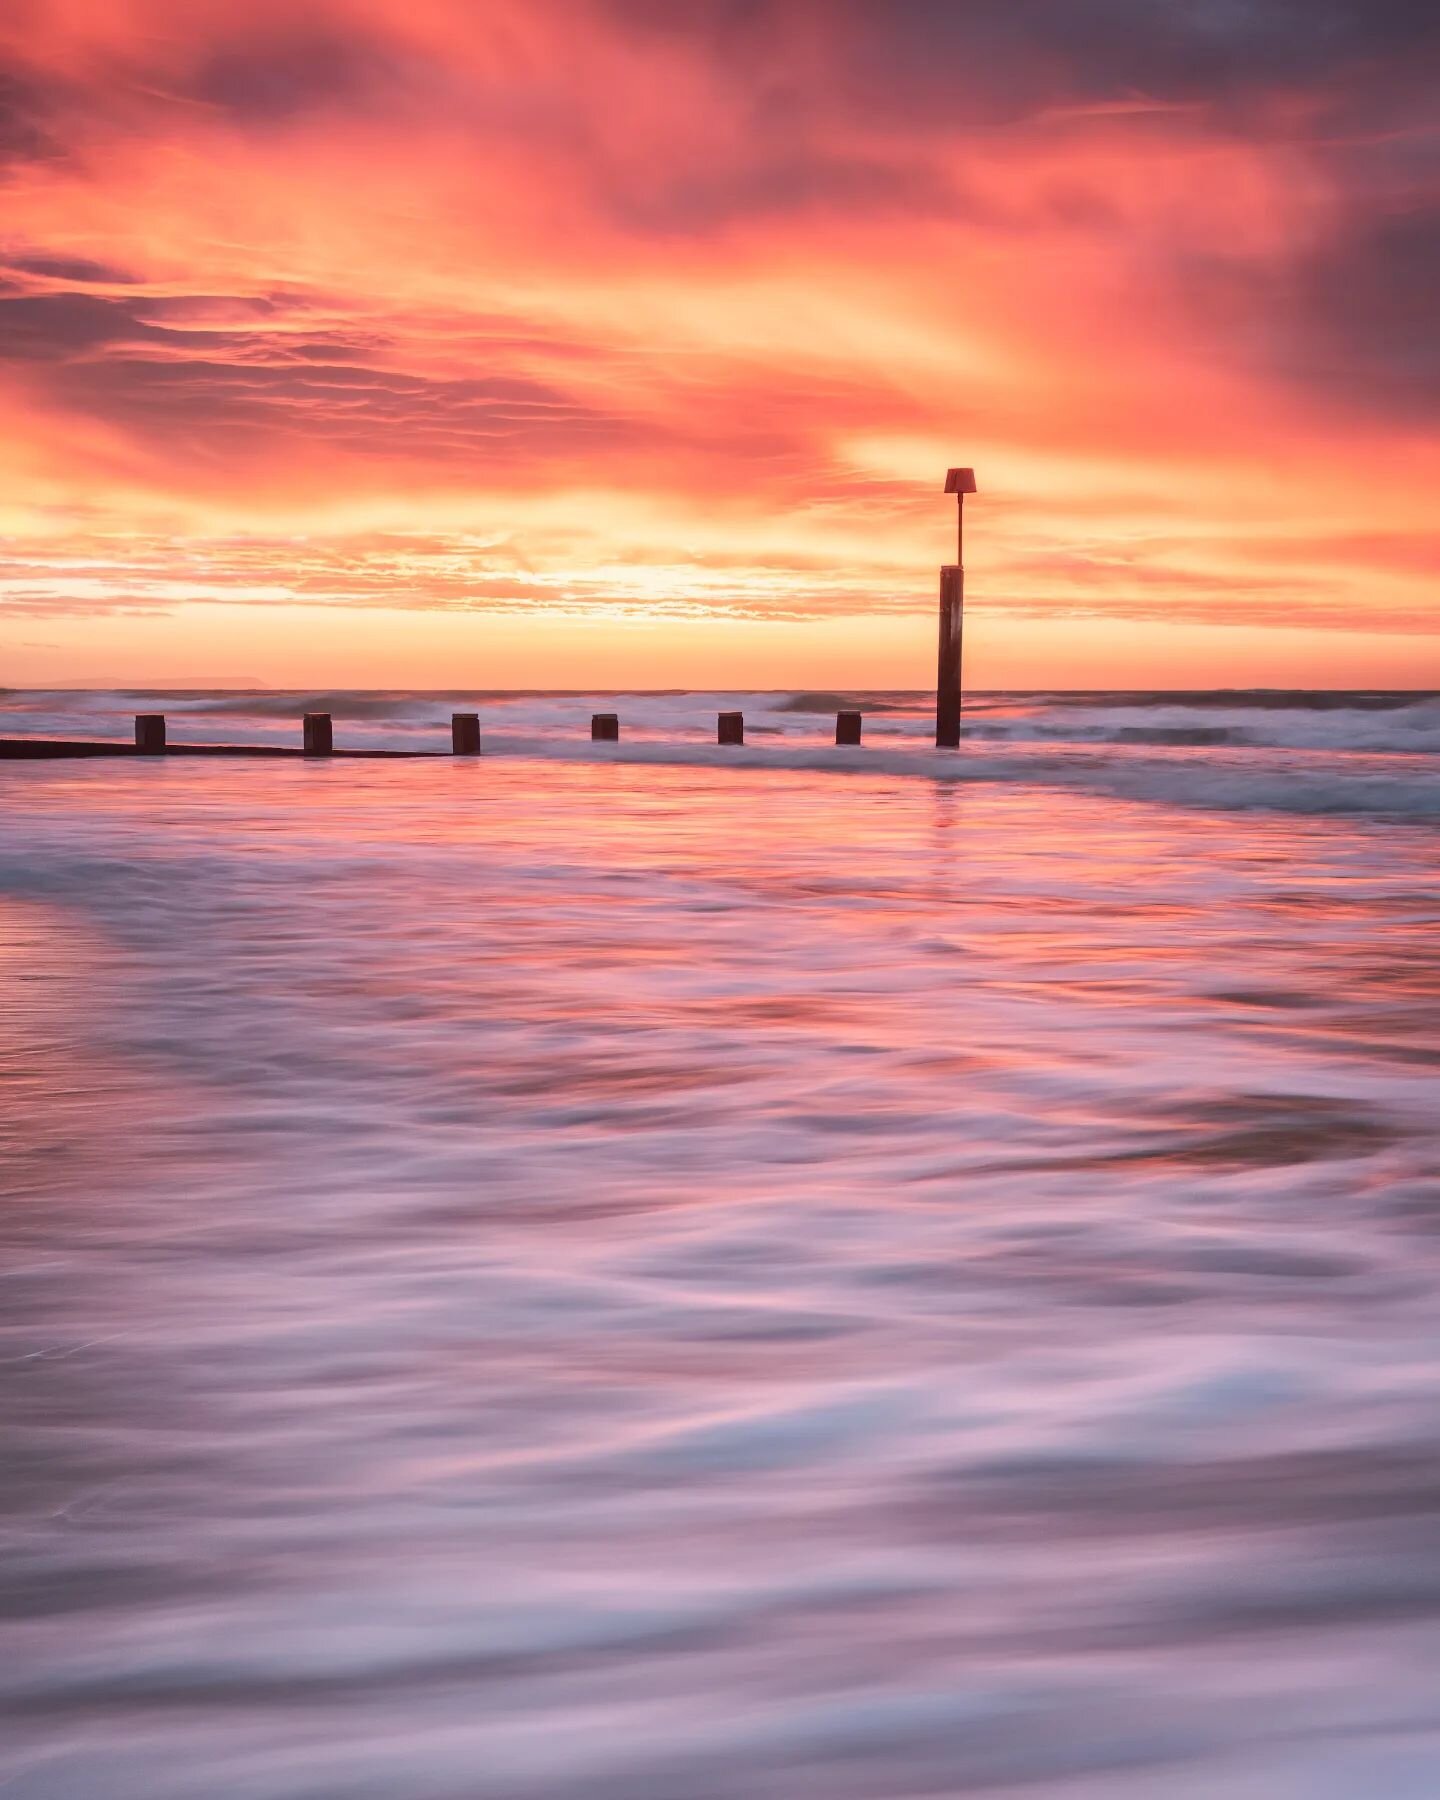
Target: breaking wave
{"points": [[1304, 751]]}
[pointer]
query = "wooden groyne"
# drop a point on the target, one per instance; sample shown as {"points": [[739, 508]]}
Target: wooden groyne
{"points": [[42, 749], [317, 740]]}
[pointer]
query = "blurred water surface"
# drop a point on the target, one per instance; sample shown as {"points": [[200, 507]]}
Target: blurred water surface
{"points": [[535, 1279]]}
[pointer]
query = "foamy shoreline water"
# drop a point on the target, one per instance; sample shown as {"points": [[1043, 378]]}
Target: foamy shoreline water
{"points": [[554, 1278], [1362, 753]]}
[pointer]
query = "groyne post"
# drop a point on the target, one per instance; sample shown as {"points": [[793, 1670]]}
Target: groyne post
{"points": [[947, 681], [958, 482], [605, 728], [465, 734], [730, 728], [319, 734], [847, 728], [150, 733]]}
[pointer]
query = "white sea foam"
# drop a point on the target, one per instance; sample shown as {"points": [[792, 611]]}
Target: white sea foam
{"points": [[590, 1274], [1305, 752]]}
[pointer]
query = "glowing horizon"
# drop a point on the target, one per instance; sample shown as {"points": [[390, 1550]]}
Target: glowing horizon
{"points": [[559, 344]]}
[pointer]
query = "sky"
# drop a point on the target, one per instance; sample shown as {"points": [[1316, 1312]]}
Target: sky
{"points": [[627, 342]]}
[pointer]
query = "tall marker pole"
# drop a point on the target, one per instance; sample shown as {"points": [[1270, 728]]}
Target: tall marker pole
{"points": [[958, 482]]}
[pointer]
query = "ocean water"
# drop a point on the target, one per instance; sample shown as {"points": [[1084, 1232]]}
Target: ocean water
{"points": [[646, 1272], [1365, 752]]}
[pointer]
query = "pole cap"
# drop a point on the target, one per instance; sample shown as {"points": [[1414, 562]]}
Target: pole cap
{"points": [[960, 481]]}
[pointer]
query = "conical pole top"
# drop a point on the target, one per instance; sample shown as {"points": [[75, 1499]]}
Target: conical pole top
{"points": [[960, 482]]}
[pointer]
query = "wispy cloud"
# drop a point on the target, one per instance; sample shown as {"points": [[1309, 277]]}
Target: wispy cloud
{"points": [[606, 304]]}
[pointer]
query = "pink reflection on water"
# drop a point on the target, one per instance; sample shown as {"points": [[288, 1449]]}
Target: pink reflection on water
{"points": [[659, 1281]]}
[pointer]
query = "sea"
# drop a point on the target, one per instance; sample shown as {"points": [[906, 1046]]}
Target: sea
{"points": [[661, 1271]]}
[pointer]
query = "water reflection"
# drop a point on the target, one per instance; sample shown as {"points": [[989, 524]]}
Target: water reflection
{"points": [[576, 1279]]}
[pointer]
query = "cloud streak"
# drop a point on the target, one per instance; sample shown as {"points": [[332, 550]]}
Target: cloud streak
{"points": [[613, 304]]}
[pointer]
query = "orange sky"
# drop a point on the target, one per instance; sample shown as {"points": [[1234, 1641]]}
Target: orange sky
{"points": [[568, 341]]}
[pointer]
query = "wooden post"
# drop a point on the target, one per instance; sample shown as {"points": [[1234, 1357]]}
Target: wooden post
{"points": [[319, 734], [150, 733], [730, 728], [847, 728], [465, 734], [605, 728], [958, 482], [947, 684]]}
